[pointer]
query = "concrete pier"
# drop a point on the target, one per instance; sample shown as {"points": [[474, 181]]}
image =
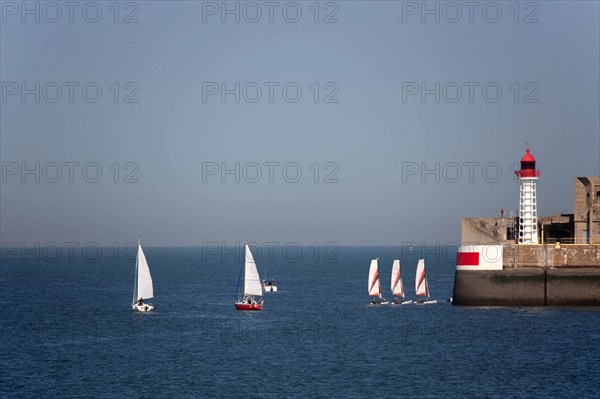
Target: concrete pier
{"points": [[528, 286], [573, 286], [560, 267]]}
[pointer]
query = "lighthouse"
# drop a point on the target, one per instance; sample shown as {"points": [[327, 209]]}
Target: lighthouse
{"points": [[528, 175]]}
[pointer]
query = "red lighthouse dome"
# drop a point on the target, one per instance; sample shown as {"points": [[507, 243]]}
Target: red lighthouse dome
{"points": [[527, 157], [527, 166]]}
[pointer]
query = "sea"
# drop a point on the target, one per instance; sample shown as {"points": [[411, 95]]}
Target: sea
{"points": [[67, 330]]}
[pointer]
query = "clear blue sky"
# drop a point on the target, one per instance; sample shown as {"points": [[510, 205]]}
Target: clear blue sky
{"points": [[373, 55]]}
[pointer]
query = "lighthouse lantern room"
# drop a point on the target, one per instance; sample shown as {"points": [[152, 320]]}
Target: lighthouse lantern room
{"points": [[528, 175]]}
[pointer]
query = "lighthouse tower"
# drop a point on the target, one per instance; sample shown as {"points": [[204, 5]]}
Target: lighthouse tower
{"points": [[528, 175]]}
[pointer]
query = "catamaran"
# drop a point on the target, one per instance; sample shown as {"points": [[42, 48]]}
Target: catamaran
{"points": [[374, 284], [397, 285], [421, 286], [252, 285], [142, 285]]}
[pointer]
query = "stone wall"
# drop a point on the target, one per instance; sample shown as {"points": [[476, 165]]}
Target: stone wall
{"points": [[514, 287], [551, 256], [573, 286], [528, 286]]}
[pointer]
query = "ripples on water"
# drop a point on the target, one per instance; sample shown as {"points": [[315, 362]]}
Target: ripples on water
{"points": [[67, 330]]}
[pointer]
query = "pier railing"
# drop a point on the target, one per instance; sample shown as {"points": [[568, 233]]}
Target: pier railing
{"points": [[574, 241], [568, 241]]}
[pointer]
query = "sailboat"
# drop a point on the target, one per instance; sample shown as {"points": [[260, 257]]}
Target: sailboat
{"points": [[252, 285], [397, 285], [374, 284], [421, 286], [142, 285]]}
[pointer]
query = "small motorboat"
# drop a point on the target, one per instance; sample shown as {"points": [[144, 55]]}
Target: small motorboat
{"points": [[269, 286]]}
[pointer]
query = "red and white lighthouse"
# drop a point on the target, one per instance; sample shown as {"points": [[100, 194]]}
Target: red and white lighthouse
{"points": [[528, 175]]}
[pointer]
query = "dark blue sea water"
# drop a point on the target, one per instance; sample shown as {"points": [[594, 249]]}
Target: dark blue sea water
{"points": [[67, 330]]}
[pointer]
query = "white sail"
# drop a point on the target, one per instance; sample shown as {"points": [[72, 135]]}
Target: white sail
{"points": [[421, 287], [252, 284], [397, 286], [374, 285], [144, 279]]}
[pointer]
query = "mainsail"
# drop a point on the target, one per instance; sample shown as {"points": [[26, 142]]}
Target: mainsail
{"points": [[397, 286], [144, 279], [421, 287], [252, 285], [374, 285]]}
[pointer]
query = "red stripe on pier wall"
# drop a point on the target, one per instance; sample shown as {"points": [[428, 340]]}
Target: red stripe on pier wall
{"points": [[467, 259]]}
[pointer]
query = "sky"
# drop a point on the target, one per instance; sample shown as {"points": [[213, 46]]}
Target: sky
{"points": [[352, 122]]}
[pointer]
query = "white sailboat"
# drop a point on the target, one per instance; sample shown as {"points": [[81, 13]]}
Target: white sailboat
{"points": [[421, 286], [252, 285], [142, 285], [374, 284], [397, 285]]}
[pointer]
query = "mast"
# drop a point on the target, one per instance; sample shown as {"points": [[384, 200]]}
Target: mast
{"points": [[237, 288], [135, 277]]}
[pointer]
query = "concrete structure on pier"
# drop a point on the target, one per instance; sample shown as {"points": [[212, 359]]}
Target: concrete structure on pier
{"points": [[580, 227], [587, 209]]}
